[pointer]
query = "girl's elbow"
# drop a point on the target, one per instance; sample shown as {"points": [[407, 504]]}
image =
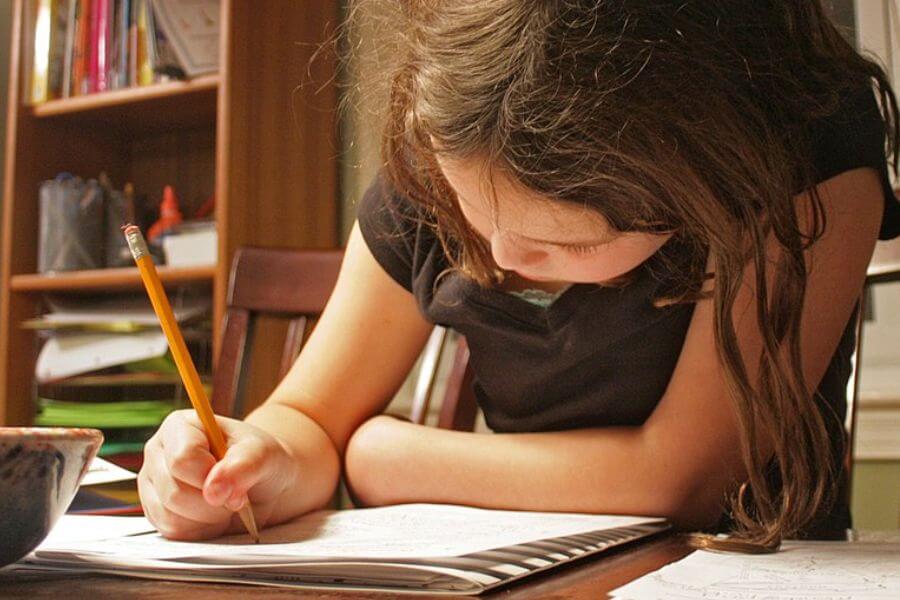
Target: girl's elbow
{"points": [[368, 452], [692, 503], [690, 491]]}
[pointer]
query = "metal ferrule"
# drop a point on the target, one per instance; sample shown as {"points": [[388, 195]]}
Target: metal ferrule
{"points": [[136, 243]]}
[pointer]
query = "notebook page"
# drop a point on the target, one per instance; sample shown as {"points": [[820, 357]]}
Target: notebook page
{"points": [[799, 571], [89, 528], [403, 531]]}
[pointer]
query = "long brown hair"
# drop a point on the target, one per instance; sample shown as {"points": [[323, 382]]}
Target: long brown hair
{"points": [[684, 116]]}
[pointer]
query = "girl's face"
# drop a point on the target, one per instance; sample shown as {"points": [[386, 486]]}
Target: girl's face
{"points": [[543, 240]]}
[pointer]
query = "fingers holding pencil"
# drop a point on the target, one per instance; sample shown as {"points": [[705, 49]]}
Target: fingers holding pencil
{"points": [[179, 471]]}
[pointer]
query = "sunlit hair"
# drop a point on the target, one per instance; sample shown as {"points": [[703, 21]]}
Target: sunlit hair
{"points": [[684, 116]]}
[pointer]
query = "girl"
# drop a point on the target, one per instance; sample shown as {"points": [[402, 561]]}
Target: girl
{"points": [[651, 221]]}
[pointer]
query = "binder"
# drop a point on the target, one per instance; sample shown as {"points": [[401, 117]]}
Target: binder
{"points": [[422, 548]]}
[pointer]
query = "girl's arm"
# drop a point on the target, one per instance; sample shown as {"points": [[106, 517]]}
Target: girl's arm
{"points": [[359, 353], [683, 459]]}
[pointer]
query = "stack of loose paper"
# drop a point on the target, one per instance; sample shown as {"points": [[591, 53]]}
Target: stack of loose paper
{"points": [[106, 364], [107, 489], [414, 547], [799, 571]]}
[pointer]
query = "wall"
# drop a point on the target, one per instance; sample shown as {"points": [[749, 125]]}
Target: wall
{"points": [[368, 54], [876, 481]]}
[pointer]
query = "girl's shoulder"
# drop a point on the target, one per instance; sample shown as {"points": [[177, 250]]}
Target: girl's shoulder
{"points": [[853, 137], [398, 234]]}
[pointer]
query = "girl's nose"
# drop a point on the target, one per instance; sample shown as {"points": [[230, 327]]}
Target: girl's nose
{"points": [[513, 255]]}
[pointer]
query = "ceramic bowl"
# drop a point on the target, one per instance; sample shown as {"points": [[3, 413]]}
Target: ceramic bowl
{"points": [[40, 469]]}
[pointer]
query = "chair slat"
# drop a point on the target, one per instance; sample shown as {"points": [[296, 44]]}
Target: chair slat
{"points": [[428, 370], [232, 363], [460, 406]]}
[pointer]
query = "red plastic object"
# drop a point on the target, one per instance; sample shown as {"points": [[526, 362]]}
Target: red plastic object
{"points": [[169, 214]]}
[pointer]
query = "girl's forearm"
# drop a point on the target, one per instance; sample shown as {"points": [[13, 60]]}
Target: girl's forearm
{"points": [[609, 470], [314, 456]]}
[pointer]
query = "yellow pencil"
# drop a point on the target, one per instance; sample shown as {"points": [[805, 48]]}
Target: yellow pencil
{"points": [[182, 357]]}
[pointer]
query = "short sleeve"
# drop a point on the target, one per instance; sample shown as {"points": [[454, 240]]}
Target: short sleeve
{"points": [[853, 138], [391, 228]]}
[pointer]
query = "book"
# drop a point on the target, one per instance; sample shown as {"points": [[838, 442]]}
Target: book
{"points": [[191, 244], [71, 8], [123, 24], [40, 69], [134, 8], [59, 25], [99, 42], [144, 44], [424, 548], [190, 29], [81, 49]]}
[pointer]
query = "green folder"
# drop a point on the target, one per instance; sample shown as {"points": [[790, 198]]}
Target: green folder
{"points": [[105, 415]]}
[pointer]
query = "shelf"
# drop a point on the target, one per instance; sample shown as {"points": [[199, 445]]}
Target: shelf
{"points": [[152, 107], [107, 279]]}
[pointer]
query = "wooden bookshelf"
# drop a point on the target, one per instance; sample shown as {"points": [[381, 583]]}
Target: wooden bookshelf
{"points": [[107, 279], [254, 135], [157, 107]]}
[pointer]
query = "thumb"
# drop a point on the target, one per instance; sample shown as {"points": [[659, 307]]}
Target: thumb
{"points": [[232, 477]]}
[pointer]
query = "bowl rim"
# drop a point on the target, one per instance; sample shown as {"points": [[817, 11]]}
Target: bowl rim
{"points": [[49, 433]]}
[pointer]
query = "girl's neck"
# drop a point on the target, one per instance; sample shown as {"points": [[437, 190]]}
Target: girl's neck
{"points": [[513, 282]]}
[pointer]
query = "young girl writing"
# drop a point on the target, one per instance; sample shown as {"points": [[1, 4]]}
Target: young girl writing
{"points": [[651, 221]]}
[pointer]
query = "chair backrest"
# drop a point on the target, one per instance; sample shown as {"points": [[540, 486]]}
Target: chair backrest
{"points": [[268, 282], [295, 285]]}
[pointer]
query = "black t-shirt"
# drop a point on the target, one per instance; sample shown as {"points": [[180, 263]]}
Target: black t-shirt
{"points": [[598, 356]]}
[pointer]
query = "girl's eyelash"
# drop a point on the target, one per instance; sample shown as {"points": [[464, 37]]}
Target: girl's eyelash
{"points": [[582, 249]]}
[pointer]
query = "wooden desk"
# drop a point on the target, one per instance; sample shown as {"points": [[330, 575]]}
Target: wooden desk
{"points": [[590, 579]]}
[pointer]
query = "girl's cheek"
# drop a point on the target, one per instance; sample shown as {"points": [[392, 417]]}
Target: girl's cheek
{"points": [[596, 269]]}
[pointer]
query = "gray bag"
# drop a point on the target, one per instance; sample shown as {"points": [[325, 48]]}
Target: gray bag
{"points": [[119, 212], [71, 233]]}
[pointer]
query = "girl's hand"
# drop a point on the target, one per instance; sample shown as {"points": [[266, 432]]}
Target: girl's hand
{"points": [[188, 495]]}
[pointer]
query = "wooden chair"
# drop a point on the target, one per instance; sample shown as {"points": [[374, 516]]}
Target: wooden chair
{"points": [[295, 285]]}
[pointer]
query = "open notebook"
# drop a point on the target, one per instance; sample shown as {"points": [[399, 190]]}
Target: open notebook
{"points": [[412, 547]]}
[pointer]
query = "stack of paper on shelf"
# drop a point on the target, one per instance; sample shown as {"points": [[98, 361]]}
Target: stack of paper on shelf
{"points": [[105, 364], [429, 548]]}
